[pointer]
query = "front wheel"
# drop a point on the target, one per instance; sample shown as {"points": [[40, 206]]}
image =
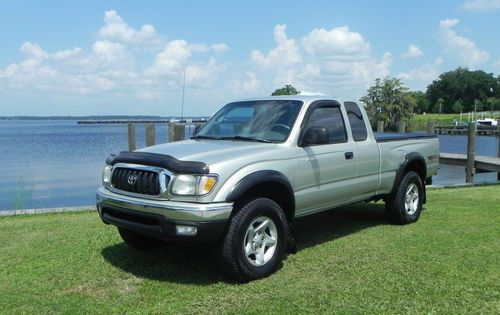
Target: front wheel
{"points": [[256, 240], [405, 204]]}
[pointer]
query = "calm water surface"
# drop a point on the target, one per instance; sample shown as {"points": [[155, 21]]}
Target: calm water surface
{"points": [[58, 163]]}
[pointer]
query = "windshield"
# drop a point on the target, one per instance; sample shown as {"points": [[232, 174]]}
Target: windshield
{"points": [[266, 121]]}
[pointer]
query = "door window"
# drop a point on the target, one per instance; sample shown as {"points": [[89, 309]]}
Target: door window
{"points": [[329, 117]]}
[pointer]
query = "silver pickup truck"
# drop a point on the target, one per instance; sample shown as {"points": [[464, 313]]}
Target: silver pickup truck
{"points": [[254, 167]]}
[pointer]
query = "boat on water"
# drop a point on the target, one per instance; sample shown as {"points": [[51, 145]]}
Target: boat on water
{"points": [[487, 122]]}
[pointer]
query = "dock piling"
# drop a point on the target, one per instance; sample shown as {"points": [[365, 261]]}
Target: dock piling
{"points": [[498, 154], [401, 126], [471, 153], [150, 134], [430, 127], [175, 132], [380, 126], [132, 146]]}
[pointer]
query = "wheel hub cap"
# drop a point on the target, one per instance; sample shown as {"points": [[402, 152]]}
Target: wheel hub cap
{"points": [[412, 197], [260, 241]]}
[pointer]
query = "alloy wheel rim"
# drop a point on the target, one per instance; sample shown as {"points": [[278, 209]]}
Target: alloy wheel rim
{"points": [[261, 239], [412, 197]]}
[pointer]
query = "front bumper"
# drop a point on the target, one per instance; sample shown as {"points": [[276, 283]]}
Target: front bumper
{"points": [[159, 218]]}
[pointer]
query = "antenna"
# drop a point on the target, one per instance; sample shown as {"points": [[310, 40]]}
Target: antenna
{"points": [[183, 88]]}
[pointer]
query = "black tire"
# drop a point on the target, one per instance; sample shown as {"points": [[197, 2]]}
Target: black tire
{"points": [[140, 242], [233, 261], [397, 208]]}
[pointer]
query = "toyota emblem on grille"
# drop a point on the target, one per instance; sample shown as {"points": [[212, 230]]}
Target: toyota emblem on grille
{"points": [[132, 179]]}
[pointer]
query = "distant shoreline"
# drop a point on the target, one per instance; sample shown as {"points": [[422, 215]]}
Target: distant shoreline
{"points": [[98, 117]]}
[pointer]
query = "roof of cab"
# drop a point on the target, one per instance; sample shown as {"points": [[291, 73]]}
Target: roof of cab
{"points": [[303, 98]]}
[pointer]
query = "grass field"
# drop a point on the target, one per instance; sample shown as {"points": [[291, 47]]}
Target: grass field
{"points": [[419, 123], [349, 261]]}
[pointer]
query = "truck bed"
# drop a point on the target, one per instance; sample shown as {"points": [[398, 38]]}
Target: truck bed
{"points": [[393, 136]]}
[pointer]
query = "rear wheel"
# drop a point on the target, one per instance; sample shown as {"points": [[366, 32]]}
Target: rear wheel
{"points": [[256, 240], [140, 242], [405, 204]]}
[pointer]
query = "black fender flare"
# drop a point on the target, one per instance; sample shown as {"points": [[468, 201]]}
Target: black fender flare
{"points": [[401, 171], [262, 177]]}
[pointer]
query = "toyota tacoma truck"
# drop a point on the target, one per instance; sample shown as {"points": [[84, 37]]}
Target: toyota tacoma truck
{"points": [[254, 167]]}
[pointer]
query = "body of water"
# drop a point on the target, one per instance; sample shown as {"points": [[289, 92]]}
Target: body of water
{"points": [[48, 164]]}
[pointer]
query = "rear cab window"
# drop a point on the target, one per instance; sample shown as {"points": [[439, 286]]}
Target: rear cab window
{"points": [[355, 117]]}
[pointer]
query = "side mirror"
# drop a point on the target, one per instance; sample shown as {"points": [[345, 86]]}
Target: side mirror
{"points": [[315, 135]]}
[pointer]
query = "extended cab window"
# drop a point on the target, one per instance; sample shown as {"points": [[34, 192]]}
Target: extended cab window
{"points": [[329, 117], [355, 117]]}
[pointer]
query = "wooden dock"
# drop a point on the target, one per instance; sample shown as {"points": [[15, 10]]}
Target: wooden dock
{"points": [[137, 121], [463, 130], [482, 164]]}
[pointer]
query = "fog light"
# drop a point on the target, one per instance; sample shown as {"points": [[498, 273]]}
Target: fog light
{"points": [[185, 230]]}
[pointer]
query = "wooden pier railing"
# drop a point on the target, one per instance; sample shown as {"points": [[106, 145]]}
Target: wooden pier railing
{"points": [[473, 164]]}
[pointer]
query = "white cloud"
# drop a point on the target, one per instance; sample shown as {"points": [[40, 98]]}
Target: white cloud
{"points": [[285, 54], [336, 62], [109, 51], [340, 62], [448, 23], [67, 54], [219, 48], [248, 85], [439, 61], [309, 93], [413, 52], [338, 41], [148, 95], [109, 67], [481, 5], [9, 71], [418, 78], [425, 73], [369, 70], [33, 50], [115, 29], [461, 47], [172, 59], [202, 75]]}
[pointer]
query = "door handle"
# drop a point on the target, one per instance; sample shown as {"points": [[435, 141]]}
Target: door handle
{"points": [[349, 155]]}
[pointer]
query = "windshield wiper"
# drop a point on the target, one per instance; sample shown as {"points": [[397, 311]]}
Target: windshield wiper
{"points": [[244, 138], [205, 137]]}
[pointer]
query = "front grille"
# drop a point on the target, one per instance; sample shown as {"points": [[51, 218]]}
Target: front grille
{"points": [[136, 181]]}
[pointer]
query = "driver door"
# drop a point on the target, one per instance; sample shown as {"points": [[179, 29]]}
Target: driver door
{"points": [[326, 172]]}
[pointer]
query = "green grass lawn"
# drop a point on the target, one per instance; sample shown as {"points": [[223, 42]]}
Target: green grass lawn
{"points": [[349, 261]]}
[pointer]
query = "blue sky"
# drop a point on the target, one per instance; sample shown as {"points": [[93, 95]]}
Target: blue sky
{"points": [[129, 57]]}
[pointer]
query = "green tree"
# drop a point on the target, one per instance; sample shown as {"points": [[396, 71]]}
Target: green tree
{"points": [[478, 105], [389, 100], [438, 106], [462, 84], [458, 106], [493, 103], [286, 90], [422, 103]]}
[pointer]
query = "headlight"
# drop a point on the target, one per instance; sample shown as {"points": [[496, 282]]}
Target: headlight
{"points": [[106, 175], [193, 184]]}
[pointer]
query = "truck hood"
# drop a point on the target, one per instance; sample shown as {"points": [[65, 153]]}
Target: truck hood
{"points": [[210, 151]]}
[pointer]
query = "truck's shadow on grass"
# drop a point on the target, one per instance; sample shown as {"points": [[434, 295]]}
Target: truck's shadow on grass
{"points": [[195, 264]]}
